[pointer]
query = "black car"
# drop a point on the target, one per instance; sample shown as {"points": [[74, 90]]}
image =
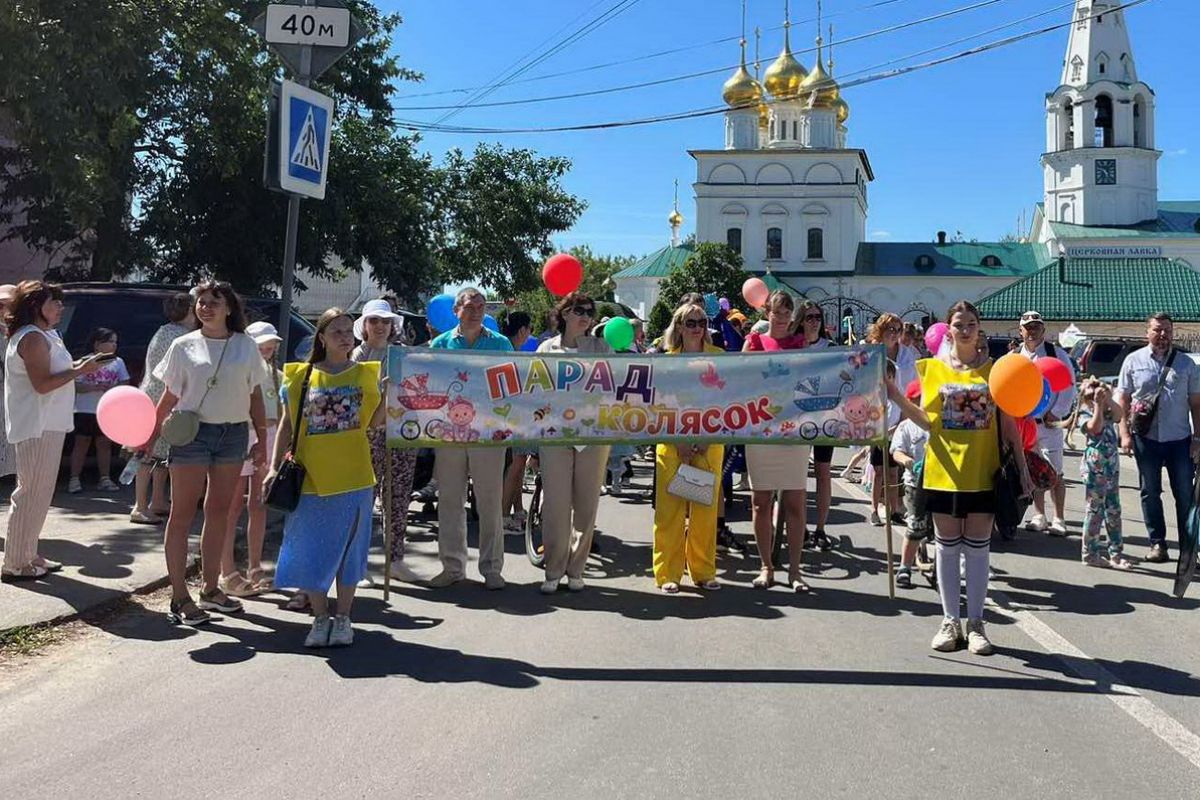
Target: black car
{"points": [[135, 312]]}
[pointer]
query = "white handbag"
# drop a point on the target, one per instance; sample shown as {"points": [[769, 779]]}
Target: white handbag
{"points": [[694, 485]]}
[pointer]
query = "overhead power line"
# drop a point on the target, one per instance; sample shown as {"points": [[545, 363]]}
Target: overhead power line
{"points": [[416, 125]]}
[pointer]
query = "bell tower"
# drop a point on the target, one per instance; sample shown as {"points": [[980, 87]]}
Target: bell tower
{"points": [[1100, 166]]}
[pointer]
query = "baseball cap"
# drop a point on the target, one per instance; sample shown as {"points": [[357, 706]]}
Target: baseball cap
{"points": [[1031, 316], [263, 332]]}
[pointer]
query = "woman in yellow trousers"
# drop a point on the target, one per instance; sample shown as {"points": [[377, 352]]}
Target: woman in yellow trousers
{"points": [[685, 533]]}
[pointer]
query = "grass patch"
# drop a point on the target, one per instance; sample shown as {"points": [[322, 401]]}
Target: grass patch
{"points": [[26, 640]]}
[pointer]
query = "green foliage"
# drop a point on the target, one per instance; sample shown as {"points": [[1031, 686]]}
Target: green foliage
{"points": [[137, 132], [712, 268], [597, 270]]}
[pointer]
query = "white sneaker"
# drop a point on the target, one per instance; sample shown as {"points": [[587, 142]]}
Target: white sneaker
{"points": [[74, 486], [876, 520], [318, 636], [575, 585], [977, 640], [549, 586], [341, 635], [1058, 527], [1037, 523], [445, 578], [367, 582], [493, 583], [107, 485], [949, 637]]}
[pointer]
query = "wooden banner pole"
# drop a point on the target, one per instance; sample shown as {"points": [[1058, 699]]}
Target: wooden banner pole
{"points": [[887, 517]]}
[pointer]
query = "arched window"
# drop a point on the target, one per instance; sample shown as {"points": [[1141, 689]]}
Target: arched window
{"points": [[775, 243], [816, 243], [1068, 126], [1104, 121], [733, 238], [1139, 122], [923, 263], [990, 261]]}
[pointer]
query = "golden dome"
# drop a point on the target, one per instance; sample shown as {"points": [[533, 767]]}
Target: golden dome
{"points": [[741, 90], [676, 219], [823, 89], [843, 110], [784, 77]]}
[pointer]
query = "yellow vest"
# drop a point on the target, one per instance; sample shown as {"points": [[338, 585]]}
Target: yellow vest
{"points": [[963, 451], [333, 435]]}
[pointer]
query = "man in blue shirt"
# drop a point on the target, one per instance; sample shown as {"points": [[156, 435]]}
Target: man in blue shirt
{"points": [[483, 466], [1173, 437]]}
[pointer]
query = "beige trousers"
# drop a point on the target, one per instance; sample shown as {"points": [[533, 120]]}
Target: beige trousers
{"points": [[570, 483], [37, 473], [485, 468]]}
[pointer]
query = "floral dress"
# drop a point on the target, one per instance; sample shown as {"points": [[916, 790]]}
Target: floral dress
{"points": [[1101, 472]]}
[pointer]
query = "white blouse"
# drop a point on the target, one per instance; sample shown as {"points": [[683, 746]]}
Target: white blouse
{"points": [[29, 414], [190, 368]]}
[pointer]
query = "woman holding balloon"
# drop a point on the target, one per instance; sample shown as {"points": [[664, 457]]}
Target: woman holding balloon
{"points": [[572, 476], [967, 404]]}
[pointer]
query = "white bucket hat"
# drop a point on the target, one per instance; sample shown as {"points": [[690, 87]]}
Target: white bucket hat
{"points": [[375, 308], [263, 332]]}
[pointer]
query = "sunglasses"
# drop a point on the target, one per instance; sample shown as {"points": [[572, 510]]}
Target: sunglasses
{"points": [[812, 317], [584, 311], [893, 329], [692, 324]]}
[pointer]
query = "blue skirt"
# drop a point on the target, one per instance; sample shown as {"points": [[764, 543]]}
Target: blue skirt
{"points": [[326, 539]]}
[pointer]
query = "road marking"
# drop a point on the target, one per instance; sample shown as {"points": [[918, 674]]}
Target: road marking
{"points": [[1178, 737]]}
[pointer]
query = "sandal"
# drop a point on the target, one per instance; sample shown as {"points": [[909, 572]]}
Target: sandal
{"points": [[670, 587], [298, 602], [47, 564], [765, 579], [797, 583], [1118, 561], [710, 585], [29, 572], [216, 600], [261, 580], [235, 584], [143, 518], [185, 612]]}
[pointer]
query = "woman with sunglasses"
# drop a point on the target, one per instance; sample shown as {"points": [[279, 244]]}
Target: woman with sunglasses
{"points": [[685, 533], [887, 330], [810, 323], [778, 468], [571, 477]]}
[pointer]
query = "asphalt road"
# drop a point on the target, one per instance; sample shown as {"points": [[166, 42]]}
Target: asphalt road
{"points": [[622, 692]]}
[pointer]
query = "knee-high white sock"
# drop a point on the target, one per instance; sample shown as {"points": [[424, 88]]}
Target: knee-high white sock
{"points": [[948, 574], [978, 553]]}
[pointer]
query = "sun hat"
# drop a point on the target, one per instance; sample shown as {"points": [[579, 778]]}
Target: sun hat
{"points": [[1031, 316], [263, 332], [7, 292], [375, 308]]}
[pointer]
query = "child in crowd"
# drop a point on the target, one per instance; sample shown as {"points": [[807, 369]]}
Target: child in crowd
{"points": [[1097, 415], [88, 390], [908, 451]]}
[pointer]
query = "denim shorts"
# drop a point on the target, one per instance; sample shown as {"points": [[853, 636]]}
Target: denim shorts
{"points": [[224, 443]]}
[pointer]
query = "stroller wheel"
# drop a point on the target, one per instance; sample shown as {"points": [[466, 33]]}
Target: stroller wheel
{"points": [[534, 547]]}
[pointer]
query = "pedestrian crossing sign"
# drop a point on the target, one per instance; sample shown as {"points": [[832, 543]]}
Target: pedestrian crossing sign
{"points": [[305, 122]]}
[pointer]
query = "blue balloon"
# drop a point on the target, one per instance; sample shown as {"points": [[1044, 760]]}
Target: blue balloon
{"points": [[441, 312], [490, 323], [1044, 404]]}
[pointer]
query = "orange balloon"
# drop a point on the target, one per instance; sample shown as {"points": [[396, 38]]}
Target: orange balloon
{"points": [[1016, 385]]}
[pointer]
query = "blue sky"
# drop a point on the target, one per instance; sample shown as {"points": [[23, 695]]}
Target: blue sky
{"points": [[954, 147]]}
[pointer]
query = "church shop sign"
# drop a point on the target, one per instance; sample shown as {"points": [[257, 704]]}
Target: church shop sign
{"points": [[1111, 251]]}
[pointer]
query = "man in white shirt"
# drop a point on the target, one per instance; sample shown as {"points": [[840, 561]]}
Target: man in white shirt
{"points": [[1050, 437]]}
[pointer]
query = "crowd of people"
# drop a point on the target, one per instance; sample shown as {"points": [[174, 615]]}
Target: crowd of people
{"points": [[228, 418]]}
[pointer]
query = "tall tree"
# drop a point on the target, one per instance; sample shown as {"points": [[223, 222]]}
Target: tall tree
{"points": [[712, 269]]}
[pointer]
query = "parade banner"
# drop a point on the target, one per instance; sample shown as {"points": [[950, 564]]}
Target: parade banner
{"points": [[456, 397]]}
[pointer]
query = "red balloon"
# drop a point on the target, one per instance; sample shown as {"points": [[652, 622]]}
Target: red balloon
{"points": [[1054, 371], [562, 274]]}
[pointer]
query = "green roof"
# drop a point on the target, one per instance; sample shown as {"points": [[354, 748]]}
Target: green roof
{"points": [[905, 259], [658, 264], [1177, 219], [1119, 290]]}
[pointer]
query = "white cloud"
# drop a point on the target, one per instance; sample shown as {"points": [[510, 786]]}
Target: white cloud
{"points": [[881, 234], [1183, 151]]}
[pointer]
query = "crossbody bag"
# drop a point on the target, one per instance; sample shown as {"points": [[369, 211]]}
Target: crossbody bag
{"points": [[1143, 410], [284, 494]]}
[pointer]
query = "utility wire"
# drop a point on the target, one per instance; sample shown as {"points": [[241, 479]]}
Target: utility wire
{"points": [[703, 73], [416, 125]]}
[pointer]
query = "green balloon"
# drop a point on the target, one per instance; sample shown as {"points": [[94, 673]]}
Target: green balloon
{"points": [[618, 333]]}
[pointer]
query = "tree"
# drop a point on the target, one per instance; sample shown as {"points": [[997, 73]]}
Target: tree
{"points": [[597, 272], [712, 269]]}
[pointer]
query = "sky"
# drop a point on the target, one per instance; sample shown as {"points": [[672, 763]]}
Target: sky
{"points": [[954, 147]]}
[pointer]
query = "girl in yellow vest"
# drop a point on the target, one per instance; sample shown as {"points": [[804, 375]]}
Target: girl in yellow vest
{"points": [[685, 534], [961, 458]]}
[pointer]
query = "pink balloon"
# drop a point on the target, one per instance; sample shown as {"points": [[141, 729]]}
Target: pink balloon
{"points": [[934, 336], [126, 416], [755, 292]]}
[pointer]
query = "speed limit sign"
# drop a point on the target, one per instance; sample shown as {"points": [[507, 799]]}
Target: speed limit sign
{"points": [[313, 25]]}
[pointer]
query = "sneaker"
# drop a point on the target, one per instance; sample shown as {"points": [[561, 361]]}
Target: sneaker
{"points": [[74, 486], [318, 635], [107, 485], [445, 578], [949, 637], [1037, 523], [977, 640], [904, 577], [341, 635], [876, 520], [575, 585], [614, 488], [493, 583], [1158, 554], [511, 525], [900, 519], [1057, 527], [821, 541], [549, 586], [367, 582]]}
